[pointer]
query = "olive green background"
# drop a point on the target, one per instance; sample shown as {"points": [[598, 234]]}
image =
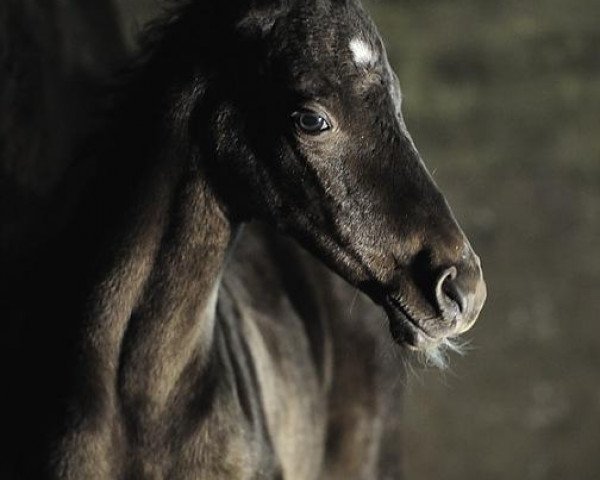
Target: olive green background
{"points": [[503, 101]]}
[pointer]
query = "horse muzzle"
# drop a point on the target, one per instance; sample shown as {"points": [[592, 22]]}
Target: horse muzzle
{"points": [[456, 295]]}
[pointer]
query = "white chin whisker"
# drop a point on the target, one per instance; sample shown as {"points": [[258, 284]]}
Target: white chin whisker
{"points": [[437, 354]]}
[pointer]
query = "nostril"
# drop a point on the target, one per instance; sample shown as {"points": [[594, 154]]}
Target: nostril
{"points": [[451, 291], [450, 299]]}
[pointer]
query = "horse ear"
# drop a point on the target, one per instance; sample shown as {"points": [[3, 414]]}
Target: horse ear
{"points": [[259, 16]]}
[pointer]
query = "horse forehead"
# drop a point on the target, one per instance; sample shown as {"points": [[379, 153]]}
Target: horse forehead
{"points": [[362, 50], [345, 49], [337, 30]]}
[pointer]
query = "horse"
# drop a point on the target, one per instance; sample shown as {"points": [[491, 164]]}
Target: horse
{"points": [[191, 319]]}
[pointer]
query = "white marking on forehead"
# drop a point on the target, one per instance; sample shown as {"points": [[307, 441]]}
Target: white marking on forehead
{"points": [[363, 54]]}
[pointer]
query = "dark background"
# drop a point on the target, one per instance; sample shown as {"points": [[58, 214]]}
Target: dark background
{"points": [[503, 101]]}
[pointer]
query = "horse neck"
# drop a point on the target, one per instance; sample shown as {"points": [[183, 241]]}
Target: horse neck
{"points": [[150, 311]]}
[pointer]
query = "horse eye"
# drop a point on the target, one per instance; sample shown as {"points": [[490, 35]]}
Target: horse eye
{"points": [[311, 122]]}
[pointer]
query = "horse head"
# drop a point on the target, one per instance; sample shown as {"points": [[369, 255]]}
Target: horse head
{"points": [[306, 131]]}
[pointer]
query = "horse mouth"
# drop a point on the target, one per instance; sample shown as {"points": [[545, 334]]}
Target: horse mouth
{"points": [[406, 329]]}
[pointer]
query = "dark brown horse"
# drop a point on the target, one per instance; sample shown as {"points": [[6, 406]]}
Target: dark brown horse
{"points": [[159, 337]]}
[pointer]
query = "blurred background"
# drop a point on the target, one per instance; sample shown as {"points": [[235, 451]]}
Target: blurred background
{"points": [[503, 100]]}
